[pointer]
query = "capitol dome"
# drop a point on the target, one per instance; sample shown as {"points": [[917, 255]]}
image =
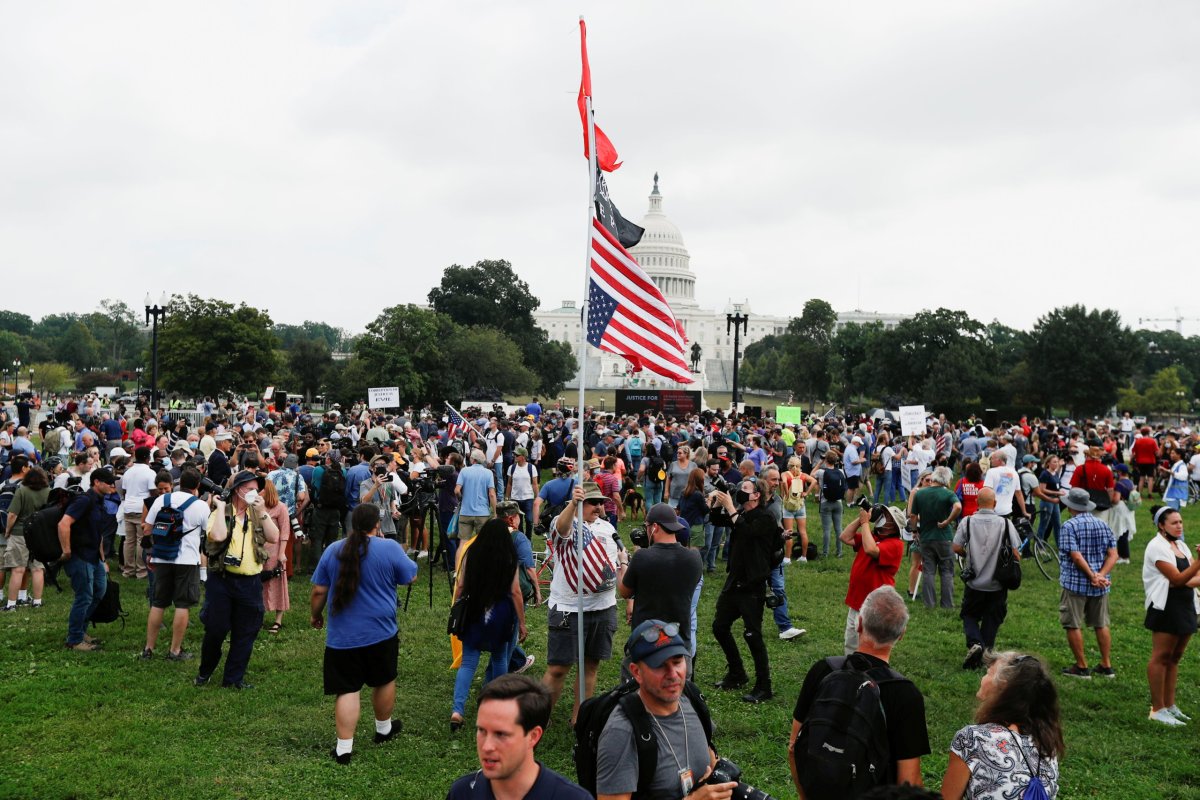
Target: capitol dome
{"points": [[664, 256]]}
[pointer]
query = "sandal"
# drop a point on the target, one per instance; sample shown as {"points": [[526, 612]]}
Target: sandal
{"points": [[275, 628]]}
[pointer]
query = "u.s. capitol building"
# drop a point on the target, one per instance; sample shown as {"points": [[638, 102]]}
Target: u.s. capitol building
{"points": [[664, 257]]}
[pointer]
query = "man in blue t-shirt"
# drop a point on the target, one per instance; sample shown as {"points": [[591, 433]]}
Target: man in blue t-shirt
{"points": [[534, 409], [476, 490], [361, 646], [556, 491], [514, 711]]}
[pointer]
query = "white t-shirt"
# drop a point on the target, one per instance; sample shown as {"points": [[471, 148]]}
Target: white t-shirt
{"points": [[1004, 480], [138, 482], [1195, 465], [521, 481], [562, 596], [194, 519], [85, 482], [495, 443], [886, 454]]}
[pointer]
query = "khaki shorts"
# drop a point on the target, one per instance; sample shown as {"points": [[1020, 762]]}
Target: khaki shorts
{"points": [[16, 555], [1077, 611]]}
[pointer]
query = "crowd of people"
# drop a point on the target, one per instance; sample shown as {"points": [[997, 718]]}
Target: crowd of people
{"points": [[219, 508]]}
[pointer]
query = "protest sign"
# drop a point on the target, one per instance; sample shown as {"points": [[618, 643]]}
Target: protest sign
{"points": [[912, 420], [383, 397]]}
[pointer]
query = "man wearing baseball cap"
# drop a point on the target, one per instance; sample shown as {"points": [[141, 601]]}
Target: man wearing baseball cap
{"points": [[678, 723], [81, 533], [663, 579]]}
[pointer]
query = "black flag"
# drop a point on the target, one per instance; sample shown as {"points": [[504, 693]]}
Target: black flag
{"points": [[626, 232]]}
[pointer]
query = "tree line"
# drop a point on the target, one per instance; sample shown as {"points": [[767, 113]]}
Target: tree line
{"points": [[475, 336], [1074, 360]]}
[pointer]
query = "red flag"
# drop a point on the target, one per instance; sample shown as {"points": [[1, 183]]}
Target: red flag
{"points": [[606, 154]]}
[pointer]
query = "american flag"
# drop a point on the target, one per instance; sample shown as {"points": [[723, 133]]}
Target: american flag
{"points": [[627, 314], [598, 572], [457, 423]]}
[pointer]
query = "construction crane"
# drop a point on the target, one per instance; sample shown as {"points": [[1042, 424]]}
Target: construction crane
{"points": [[1178, 319]]}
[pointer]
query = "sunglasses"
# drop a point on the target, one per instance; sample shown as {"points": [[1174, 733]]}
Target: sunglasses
{"points": [[594, 502], [651, 633]]}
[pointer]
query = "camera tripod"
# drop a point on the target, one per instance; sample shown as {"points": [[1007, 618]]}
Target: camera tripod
{"points": [[442, 553]]}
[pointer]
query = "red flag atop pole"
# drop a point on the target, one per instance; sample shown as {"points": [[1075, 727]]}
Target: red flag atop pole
{"points": [[606, 154]]}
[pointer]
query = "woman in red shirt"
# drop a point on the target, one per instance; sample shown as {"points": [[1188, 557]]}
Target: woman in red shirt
{"points": [[968, 488]]}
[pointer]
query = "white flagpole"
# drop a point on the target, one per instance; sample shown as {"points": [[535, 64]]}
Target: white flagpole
{"points": [[583, 343]]}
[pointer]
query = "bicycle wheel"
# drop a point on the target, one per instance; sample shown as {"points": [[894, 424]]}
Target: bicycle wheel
{"points": [[1047, 559]]}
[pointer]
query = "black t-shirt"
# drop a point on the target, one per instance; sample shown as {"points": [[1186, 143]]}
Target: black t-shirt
{"points": [[908, 735], [548, 786], [663, 578]]}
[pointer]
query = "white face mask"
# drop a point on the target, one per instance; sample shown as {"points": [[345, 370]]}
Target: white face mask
{"points": [[251, 497]]}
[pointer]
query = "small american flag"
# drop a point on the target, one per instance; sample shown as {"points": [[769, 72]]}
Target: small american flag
{"points": [[627, 314]]}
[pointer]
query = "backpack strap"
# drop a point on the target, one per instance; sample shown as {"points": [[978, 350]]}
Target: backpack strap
{"points": [[692, 692], [644, 739]]}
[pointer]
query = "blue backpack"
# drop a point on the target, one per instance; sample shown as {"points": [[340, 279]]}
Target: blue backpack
{"points": [[167, 533]]}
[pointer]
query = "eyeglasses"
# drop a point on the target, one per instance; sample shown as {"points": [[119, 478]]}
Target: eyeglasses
{"points": [[669, 628]]}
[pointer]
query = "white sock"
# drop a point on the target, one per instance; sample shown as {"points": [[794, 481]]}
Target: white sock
{"points": [[204, 573], [344, 746], [11, 604], [383, 726], [37, 603], [22, 594]]}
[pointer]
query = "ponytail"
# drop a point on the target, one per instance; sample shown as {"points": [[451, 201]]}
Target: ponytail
{"points": [[363, 521]]}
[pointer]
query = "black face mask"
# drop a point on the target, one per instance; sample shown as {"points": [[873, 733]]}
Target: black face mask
{"points": [[741, 497]]}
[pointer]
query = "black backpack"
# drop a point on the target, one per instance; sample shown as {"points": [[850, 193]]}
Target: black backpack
{"points": [[41, 529], [166, 535], [8, 490], [654, 465], [109, 609], [333, 488], [594, 714], [833, 484], [842, 750]]}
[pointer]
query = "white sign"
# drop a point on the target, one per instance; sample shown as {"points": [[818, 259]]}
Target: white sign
{"points": [[912, 420], [383, 397]]}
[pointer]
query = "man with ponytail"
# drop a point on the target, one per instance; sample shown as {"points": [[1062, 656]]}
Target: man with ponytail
{"points": [[356, 579]]}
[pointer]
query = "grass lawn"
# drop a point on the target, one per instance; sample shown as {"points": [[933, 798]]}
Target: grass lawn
{"points": [[108, 725]]}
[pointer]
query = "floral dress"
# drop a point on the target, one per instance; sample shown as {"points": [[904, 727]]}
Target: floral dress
{"points": [[999, 770]]}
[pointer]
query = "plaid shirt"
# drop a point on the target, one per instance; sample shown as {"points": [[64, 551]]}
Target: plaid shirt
{"points": [[1092, 538]]}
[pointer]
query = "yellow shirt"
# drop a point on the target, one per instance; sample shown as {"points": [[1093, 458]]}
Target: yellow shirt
{"points": [[241, 545]]}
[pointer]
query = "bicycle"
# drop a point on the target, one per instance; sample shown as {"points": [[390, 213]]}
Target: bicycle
{"points": [[1045, 558]]}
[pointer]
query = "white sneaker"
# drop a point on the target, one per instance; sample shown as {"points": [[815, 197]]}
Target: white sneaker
{"points": [[1164, 716], [792, 633], [423, 554], [803, 560], [786, 561], [1122, 560], [528, 663], [1177, 714]]}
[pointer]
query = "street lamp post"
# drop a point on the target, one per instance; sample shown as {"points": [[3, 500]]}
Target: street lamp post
{"points": [[16, 376], [139, 380], [31, 380], [737, 321], [157, 311]]}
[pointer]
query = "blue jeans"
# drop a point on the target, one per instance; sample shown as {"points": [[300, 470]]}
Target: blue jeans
{"points": [[89, 581], [783, 620], [652, 490], [526, 507], [497, 666], [498, 468], [1050, 520], [897, 484], [890, 493], [713, 536], [831, 521], [695, 603]]}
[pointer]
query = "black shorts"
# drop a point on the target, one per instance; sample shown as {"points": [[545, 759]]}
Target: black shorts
{"points": [[852, 481], [1146, 470], [562, 646], [347, 671], [176, 585]]}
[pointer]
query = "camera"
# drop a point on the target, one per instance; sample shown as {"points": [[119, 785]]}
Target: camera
{"points": [[639, 537], [725, 771], [381, 471], [864, 503], [208, 487], [720, 484], [297, 528], [230, 560], [773, 601]]}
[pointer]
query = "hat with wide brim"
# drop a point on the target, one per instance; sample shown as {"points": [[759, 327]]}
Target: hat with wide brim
{"points": [[1078, 500], [246, 476], [591, 491]]}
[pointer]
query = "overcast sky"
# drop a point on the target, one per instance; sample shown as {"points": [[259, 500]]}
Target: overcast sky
{"points": [[324, 160]]}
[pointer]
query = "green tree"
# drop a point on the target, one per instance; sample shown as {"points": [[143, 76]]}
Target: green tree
{"points": [[492, 360], [78, 347], [309, 361], [116, 329], [851, 366], [490, 294], [809, 351], [52, 376], [934, 357], [207, 347], [405, 347], [1079, 359], [1167, 393], [16, 322]]}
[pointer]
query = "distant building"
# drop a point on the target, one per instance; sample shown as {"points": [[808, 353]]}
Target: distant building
{"points": [[665, 258]]}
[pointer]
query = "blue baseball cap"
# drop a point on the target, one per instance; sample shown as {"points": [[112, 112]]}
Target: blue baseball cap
{"points": [[654, 641]]}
